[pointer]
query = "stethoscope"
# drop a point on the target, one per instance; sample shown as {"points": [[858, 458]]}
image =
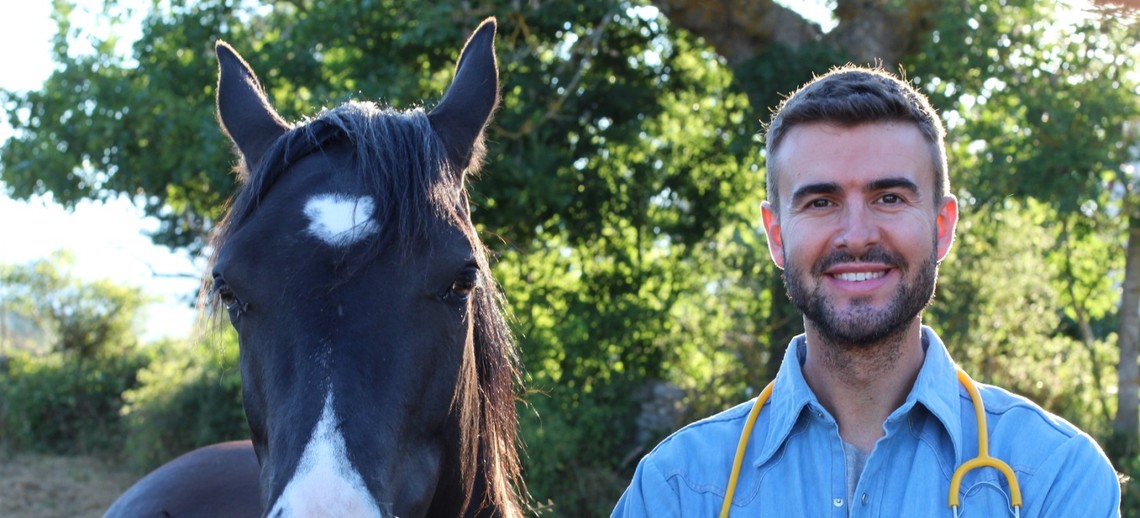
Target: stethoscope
{"points": [[982, 460]]}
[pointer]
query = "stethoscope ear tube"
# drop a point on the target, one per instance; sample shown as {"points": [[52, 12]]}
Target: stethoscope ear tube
{"points": [[742, 445]]}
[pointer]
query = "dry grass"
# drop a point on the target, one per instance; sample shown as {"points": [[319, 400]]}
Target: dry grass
{"points": [[49, 486]]}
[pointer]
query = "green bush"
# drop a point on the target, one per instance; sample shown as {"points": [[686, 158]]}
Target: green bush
{"points": [[186, 398], [567, 465], [1125, 455], [1129, 469], [65, 404]]}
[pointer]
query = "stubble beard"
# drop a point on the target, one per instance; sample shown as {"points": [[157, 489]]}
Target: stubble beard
{"points": [[861, 325]]}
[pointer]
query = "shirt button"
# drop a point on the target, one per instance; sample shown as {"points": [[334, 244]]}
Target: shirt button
{"points": [[864, 499], [838, 502]]}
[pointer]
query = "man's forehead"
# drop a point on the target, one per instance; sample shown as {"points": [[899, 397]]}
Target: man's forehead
{"points": [[852, 156]]}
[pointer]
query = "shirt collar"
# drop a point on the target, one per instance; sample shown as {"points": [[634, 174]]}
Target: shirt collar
{"points": [[936, 388], [790, 394]]}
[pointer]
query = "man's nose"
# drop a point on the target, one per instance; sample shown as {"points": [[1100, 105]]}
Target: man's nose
{"points": [[858, 230]]}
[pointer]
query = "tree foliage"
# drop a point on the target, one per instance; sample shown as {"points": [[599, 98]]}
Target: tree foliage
{"points": [[84, 319], [187, 396], [59, 404], [62, 375], [1042, 103]]}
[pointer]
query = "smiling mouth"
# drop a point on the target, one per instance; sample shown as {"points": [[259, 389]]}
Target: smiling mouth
{"points": [[859, 276]]}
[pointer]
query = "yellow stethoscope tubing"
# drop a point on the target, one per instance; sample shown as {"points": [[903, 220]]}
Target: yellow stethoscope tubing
{"points": [[742, 445], [982, 460]]}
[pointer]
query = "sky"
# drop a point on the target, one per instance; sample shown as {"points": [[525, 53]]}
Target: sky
{"points": [[108, 240]]}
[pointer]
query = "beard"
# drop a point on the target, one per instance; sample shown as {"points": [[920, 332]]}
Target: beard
{"points": [[863, 325]]}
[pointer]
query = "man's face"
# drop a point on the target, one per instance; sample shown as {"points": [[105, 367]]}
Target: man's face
{"points": [[858, 234]]}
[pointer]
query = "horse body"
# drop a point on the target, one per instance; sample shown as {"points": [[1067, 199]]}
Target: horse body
{"points": [[224, 481], [377, 370]]}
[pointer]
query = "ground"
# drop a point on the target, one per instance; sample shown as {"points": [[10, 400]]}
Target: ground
{"points": [[52, 486]]}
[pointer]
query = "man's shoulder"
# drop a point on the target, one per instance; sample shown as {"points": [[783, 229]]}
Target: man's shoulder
{"points": [[702, 442], [687, 473], [1052, 456], [1012, 409], [1032, 435]]}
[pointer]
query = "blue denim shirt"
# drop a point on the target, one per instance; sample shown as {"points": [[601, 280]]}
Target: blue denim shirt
{"points": [[795, 465]]}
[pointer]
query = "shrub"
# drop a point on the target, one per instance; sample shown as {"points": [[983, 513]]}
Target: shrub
{"points": [[65, 404], [186, 398]]}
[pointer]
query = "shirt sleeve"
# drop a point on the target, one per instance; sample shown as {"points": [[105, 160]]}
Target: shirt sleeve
{"points": [[648, 494], [1076, 480]]}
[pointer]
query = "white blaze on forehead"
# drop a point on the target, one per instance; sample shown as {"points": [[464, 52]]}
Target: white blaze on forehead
{"points": [[325, 483], [341, 220]]}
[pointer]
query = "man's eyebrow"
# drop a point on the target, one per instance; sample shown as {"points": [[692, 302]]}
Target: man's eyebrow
{"points": [[893, 183], [814, 189]]}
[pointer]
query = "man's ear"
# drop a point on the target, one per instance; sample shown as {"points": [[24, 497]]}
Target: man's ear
{"points": [[946, 221], [772, 230]]}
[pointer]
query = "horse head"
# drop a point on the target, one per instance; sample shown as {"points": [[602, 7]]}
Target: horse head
{"points": [[377, 370]]}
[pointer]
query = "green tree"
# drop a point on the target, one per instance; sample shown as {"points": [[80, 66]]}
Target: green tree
{"points": [[1011, 331], [188, 396], [79, 318], [64, 394], [1040, 105]]}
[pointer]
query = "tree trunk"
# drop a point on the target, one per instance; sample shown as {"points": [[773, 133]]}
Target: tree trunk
{"points": [[869, 31], [1127, 421]]}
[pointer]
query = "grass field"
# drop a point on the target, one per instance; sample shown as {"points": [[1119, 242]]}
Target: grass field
{"points": [[50, 486]]}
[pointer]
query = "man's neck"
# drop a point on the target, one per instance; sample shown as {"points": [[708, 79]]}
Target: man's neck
{"points": [[861, 385]]}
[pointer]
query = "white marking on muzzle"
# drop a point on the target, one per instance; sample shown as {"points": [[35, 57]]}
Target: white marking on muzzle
{"points": [[325, 484], [341, 220]]}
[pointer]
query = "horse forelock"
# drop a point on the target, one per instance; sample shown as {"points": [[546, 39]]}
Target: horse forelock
{"points": [[397, 159]]}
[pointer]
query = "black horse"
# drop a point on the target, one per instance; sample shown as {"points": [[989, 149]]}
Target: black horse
{"points": [[378, 372]]}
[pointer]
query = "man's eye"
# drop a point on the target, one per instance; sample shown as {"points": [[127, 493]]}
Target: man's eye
{"points": [[891, 198], [819, 203]]}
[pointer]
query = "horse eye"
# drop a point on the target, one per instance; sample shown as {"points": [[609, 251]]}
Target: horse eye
{"points": [[226, 296], [464, 284]]}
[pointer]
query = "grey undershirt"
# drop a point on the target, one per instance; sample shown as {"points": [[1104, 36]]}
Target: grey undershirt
{"points": [[856, 459]]}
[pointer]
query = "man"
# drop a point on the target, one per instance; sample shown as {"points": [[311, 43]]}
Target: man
{"points": [[867, 416]]}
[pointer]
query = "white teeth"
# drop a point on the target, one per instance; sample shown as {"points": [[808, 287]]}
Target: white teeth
{"points": [[860, 276]]}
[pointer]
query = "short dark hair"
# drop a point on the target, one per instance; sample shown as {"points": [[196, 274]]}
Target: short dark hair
{"points": [[849, 96]]}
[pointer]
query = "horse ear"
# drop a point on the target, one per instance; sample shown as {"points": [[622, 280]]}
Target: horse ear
{"points": [[243, 110], [466, 107]]}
